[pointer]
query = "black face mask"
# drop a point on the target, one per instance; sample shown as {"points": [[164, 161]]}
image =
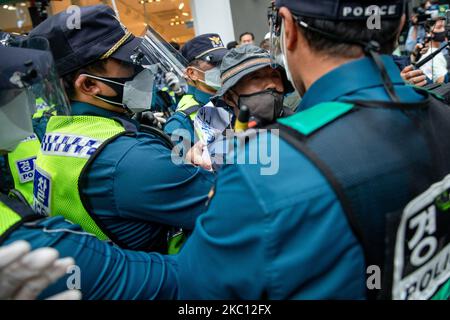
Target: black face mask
{"points": [[117, 84], [266, 106], [439, 36]]}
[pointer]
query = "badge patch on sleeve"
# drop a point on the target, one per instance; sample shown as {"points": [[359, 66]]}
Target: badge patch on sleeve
{"points": [[422, 249], [42, 192], [25, 168]]}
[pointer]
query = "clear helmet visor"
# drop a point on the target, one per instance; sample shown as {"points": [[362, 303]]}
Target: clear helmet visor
{"points": [[39, 76], [29, 86], [274, 21], [16, 111], [155, 51]]}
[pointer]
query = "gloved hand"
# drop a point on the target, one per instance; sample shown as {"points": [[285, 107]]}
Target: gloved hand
{"points": [[24, 274], [173, 82], [151, 119]]}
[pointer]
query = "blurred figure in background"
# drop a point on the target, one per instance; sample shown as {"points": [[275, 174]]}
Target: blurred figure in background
{"points": [[232, 45], [436, 69], [246, 38]]}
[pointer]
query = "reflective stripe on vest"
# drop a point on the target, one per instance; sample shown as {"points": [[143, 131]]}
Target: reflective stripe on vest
{"points": [[66, 149], [22, 164], [185, 105]]}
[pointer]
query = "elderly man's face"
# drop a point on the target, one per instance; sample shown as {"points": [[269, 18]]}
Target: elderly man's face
{"points": [[260, 80]]}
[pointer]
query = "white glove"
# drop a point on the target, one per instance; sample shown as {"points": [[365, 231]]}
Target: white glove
{"points": [[160, 117], [172, 81], [24, 274]]}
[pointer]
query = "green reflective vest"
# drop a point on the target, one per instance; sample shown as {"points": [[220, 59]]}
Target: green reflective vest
{"points": [[188, 106], [12, 214], [21, 163], [67, 147], [8, 218], [42, 108]]}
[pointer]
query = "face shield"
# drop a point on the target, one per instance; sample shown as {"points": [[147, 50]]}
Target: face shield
{"points": [[28, 84], [36, 71], [155, 52], [275, 22]]}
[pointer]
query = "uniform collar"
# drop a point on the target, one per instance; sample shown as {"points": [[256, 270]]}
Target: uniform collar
{"points": [[86, 109], [351, 77], [199, 96]]}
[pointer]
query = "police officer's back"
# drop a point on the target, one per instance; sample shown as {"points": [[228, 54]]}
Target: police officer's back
{"points": [[360, 187]]}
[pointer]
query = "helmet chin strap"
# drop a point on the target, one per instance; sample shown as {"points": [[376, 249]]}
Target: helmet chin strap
{"points": [[371, 49]]}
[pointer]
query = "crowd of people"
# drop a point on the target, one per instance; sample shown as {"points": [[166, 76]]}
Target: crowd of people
{"points": [[284, 170]]}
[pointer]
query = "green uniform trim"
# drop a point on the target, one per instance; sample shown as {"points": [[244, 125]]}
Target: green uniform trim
{"points": [[311, 120], [443, 293], [176, 242]]}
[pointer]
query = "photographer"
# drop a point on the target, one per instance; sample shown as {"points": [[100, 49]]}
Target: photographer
{"points": [[417, 32], [436, 69]]}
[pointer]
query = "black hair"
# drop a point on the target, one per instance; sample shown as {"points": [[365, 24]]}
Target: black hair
{"points": [[356, 31], [246, 33], [195, 63], [232, 45]]}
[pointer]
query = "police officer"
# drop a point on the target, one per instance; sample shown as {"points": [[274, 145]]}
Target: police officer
{"points": [[122, 184], [362, 182], [17, 167], [122, 274], [204, 54]]}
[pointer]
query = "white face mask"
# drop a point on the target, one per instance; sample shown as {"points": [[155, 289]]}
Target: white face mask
{"points": [[212, 78], [138, 94], [135, 94], [15, 122]]}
